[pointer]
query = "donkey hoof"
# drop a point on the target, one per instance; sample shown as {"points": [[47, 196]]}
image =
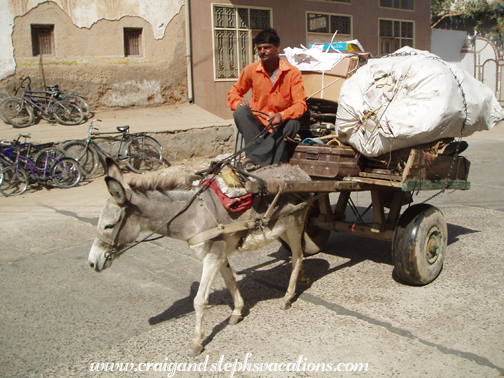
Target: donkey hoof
{"points": [[234, 319], [285, 305], [195, 351]]}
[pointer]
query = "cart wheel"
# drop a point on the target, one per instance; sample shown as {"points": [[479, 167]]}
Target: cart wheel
{"points": [[314, 238], [419, 244]]}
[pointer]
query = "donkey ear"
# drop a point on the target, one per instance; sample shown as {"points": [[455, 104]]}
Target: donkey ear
{"points": [[116, 190], [113, 169]]}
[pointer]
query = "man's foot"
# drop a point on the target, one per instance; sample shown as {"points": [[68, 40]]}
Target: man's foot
{"points": [[249, 165]]}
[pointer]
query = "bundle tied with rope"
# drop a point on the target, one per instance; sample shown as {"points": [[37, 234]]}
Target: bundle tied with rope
{"points": [[410, 98]]}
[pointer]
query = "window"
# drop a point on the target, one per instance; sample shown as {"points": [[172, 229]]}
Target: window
{"points": [[234, 29], [394, 35], [132, 41], [42, 39], [328, 23], [398, 4]]}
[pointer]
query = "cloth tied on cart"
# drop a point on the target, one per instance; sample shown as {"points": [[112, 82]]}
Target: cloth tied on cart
{"points": [[411, 97]]}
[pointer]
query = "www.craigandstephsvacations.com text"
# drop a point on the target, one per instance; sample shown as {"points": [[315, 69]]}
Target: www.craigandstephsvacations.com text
{"points": [[231, 367]]}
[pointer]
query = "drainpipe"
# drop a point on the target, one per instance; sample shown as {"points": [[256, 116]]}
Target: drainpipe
{"points": [[190, 95]]}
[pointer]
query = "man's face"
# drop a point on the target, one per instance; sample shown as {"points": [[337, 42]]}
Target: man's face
{"points": [[268, 52]]}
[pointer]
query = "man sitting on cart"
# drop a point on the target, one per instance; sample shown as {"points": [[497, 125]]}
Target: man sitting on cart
{"points": [[278, 91]]}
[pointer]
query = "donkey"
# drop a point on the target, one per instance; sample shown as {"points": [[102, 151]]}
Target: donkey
{"points": [[147, 204]]}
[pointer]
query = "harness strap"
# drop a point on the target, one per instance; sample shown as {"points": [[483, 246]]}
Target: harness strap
{"points": [[245, 225], [221, 229]]}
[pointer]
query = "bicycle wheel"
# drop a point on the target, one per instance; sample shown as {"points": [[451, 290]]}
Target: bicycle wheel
{"points": [[13, 181], [85, 154], [80, 102], [17, 112], [41, 156], [143, 154], [67, 113], [67, 171]]}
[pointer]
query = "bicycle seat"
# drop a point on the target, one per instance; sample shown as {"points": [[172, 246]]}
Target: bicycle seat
{"points": [[123, 129], [53, 88]]}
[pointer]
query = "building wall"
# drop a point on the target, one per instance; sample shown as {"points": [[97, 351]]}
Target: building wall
{"points": [[289, 19], [89, 50]]}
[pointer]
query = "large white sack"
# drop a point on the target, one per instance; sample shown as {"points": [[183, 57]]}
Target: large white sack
{"points": [[411, 98]]}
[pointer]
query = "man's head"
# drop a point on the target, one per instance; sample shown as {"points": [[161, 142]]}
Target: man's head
{"points": [[267, 36], [268, 43]]}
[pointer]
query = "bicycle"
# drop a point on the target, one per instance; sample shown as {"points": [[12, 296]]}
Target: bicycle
{"points": [[35, 152], [140, 152], [19, 111], [14, 179]]}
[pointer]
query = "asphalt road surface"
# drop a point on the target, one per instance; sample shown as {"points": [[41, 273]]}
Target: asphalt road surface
{"points": [[58, 318]]}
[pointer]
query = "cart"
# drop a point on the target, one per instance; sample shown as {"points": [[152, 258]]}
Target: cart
{"points": [[418, 234]]}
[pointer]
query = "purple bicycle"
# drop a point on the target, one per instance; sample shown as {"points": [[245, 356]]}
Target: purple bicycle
{"points": [[64, 172]]}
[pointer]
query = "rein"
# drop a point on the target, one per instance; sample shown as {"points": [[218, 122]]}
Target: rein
{"points": [[115, 231]]}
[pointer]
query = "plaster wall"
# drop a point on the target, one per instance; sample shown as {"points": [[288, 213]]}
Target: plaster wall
{"points": [[89, 50]]}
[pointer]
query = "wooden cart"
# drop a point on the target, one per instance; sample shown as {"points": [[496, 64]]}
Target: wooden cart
{"points": [[419, 235]]}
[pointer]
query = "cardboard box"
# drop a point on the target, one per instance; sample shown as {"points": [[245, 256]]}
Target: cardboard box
{"points": [[333, 79]]}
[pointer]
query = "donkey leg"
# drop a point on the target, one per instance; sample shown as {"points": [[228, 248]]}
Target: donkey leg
{"points": [[229, 279], [297, 266], [211, 264]]}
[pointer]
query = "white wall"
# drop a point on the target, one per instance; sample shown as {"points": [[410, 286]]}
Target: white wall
{"points": [[447, 44]]}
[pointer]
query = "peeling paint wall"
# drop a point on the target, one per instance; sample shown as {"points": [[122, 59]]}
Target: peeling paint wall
{"points": [[89, 52]]}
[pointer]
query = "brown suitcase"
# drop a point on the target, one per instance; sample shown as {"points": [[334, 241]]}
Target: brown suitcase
{"points": [[322, 161]]}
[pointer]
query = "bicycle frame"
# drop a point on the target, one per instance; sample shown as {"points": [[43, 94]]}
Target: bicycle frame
{"points": [[31, 166], [125, 135], [31, 97]]}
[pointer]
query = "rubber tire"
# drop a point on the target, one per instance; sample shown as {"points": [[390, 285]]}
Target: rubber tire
{"points": [[2, 116], [40, 156], [17, 112], [16, 187], [143, 154], [67, 113], [79, 101], [67, 180], [86, 155], [419, 244]]}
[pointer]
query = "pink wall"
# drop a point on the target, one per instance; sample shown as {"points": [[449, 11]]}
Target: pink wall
{"points": [[289, 19]]}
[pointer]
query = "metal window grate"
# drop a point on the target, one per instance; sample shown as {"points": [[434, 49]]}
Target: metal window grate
{"points": [[132, 41], [42, 39], [233, 28], [328, 23]]}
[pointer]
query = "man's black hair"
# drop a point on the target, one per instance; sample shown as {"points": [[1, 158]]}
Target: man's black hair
{"points": [[267, 36]]}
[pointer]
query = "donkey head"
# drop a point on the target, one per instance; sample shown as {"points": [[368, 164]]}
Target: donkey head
{"points": [[117, 226]]}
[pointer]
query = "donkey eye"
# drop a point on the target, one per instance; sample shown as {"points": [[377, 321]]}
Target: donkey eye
{"points": [[109, 226]]}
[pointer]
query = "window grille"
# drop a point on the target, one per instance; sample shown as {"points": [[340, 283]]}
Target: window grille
{"points": [[395, 34], [132, 41], [398, 4], [233, 31], [329, 23], [42, 39]]}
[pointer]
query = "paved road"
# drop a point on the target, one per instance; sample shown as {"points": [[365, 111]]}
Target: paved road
{"points": [[57, 316]]}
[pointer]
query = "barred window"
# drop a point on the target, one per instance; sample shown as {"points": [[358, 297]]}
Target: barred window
{"points": [[395, 34], [329, 23], [398, 4], [42, 39], [132, 41], [234, 29]]}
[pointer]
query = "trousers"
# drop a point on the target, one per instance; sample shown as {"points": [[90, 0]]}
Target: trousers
{"points": [[269, 148]]}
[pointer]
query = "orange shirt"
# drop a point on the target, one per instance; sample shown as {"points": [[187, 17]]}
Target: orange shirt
{"points": [[287, 96]]}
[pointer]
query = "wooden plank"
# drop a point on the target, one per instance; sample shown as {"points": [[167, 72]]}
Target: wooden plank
{"points": [[435, 185], [381, 176]]}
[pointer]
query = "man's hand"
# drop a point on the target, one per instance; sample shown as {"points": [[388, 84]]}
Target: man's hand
{"points": [[244, 102], [276, 120]]}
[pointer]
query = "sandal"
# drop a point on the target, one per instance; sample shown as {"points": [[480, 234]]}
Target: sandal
{"points": [[249, 165]]}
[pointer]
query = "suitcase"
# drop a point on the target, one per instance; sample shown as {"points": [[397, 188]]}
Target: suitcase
{"points": [[323, 161]]}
